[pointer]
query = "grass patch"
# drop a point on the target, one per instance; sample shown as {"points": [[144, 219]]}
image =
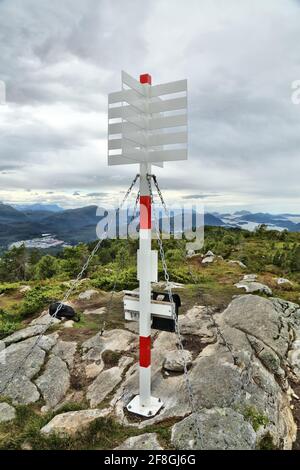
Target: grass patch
{"points": [[103, 433], [89, 322]]}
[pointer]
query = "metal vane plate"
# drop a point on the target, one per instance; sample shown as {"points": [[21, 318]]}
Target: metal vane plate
{"points": [[147, 123]]}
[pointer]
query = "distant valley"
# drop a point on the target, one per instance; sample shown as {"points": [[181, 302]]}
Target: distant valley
{"points": [[34, 223]]}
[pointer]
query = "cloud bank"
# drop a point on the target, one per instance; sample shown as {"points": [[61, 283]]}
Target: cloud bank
{"points": [[59, 60]]}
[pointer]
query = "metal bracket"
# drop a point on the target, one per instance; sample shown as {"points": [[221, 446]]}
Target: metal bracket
{"points": [[147, 411], [158, 308]]}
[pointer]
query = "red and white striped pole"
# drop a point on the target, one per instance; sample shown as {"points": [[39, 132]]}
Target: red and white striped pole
{"points": [[144, 404], [144, 260]]}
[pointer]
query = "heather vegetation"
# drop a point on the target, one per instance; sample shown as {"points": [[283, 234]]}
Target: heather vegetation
{"points": [[259, 250], [267, 253]]}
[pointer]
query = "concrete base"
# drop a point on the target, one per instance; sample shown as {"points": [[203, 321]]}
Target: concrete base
{"points": [[148, 411]]}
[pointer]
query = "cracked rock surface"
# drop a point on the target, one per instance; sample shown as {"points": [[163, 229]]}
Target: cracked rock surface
{"points": [[221, 428], [54, 382], [242, 362]]}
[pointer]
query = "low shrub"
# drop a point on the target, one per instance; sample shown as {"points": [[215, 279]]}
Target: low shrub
{"points": [[37, 298], [7, 325]]}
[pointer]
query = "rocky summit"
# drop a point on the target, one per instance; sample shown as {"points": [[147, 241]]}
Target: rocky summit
{"points": [[242, 361]]}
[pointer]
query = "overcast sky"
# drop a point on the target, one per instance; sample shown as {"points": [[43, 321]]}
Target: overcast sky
{"points": [[60, 58]]}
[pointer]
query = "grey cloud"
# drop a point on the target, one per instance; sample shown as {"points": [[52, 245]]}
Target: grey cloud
{"points": [[7, 167], [96, 194], [199, 196], [244, 132]]}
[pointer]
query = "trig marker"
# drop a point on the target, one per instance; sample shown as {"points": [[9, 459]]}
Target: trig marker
{"points": [[145, 128]]}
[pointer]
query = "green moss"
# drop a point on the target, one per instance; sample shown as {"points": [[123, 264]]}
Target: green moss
{"points": [[255, 418]]}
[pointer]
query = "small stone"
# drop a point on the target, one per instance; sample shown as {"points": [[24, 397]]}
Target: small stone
{"points": [[7, 412], [68, 424], [69, 324], [93, 370], [208, 259], [174, 285], [251, 287], [282, 280], [209, 253], [239, 263], [250, 277], [26, 446], [163, 285], [24, 289], [146, 441], [95, 311], [88, 294], [175, 360]]}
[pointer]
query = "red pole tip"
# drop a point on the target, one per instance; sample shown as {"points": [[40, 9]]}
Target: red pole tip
{"points": [[146, 78]]}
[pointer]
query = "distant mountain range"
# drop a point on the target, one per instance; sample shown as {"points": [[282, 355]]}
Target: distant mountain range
{"points": [[72, 225], [38, 207], [24, 222], [250, 221]]}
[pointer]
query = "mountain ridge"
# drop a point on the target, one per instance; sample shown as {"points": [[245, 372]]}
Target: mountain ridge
{"points": [[79, 224]]}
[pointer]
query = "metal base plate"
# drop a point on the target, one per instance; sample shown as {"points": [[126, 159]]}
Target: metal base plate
{"points": [[148, 411]]}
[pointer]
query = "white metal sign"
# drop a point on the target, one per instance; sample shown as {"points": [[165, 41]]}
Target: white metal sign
{"points": [[147, 123]]}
